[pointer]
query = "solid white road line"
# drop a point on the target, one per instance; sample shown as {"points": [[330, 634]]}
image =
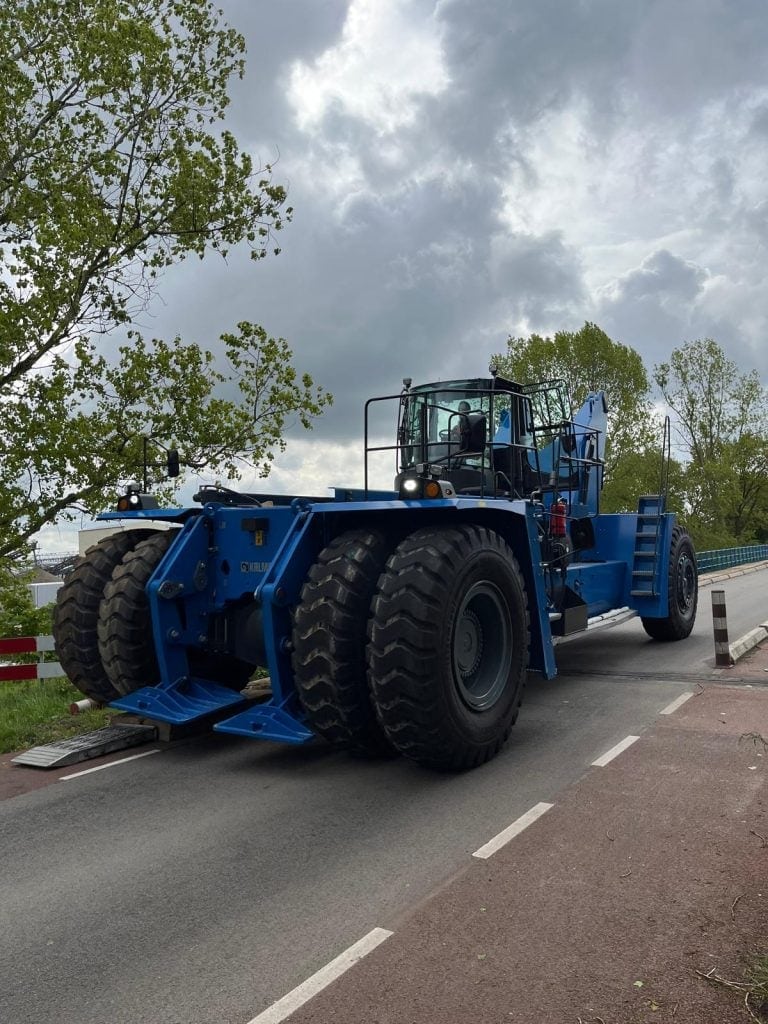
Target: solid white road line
{"points": [[609, 755], [670, 708], [303, 993], [111, 764], [511, 831]]}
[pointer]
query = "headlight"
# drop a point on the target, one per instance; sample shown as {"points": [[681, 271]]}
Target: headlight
{"points": [[423, 482], [133, 500]]}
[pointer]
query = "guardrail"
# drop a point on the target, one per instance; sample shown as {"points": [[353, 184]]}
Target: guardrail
{"points": [[726, 558], [28, 645]]}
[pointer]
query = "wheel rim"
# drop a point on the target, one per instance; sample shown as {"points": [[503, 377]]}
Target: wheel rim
{"points": [[482, 646], [686, 583]]}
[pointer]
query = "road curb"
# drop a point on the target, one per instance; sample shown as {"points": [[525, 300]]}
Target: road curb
{"points": [[745, 643], [707, 579]]}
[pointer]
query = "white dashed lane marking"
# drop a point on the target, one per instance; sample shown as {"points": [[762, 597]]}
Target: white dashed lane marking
{"points": [[512, 830], [609, 755], [291, 1002], [670, 708], [110, 764]]}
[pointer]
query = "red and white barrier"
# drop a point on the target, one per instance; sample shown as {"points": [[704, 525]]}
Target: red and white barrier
{"points": [[28, 645]]}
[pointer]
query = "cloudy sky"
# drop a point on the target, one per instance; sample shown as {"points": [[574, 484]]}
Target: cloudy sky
{"points": [[463, 170]]}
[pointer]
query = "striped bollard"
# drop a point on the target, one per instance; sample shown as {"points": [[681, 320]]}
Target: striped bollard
{"points": [[722, 647]]}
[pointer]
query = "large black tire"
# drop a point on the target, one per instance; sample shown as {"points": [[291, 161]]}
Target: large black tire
{"points": [[683, 591], [448, 646], [125, 637], [76, 614], [125, 623], [329, 640]]}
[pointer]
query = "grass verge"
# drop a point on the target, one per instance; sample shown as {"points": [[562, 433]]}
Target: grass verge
{"points": [[757, 999], [36, 711], [753, 990]]}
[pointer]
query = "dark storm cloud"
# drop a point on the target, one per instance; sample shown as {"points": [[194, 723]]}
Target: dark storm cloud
{"points": [[661, 276], [421, 284], [514, 62], [276, 34], [409, 264], [662, 304], [403, 288], [651, 307], [552, 49], [539, 276], [416, 274]]}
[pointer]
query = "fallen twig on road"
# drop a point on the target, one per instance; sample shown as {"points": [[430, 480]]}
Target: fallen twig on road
{"points": [[755, 737]]}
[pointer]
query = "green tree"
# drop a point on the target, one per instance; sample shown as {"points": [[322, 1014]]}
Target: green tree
{"points": [[589, 360], [18, 614], [114, 165], [722, 424]]}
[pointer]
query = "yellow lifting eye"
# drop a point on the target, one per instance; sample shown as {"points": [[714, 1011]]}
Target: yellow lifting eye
{"points": [[431, 489]]}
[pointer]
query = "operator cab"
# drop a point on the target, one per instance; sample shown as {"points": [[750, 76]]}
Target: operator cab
{"points": [[476, 435], [491, 437]]}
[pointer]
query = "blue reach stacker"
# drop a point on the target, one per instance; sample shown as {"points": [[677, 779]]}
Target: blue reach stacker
{"points": [[388, 622]]}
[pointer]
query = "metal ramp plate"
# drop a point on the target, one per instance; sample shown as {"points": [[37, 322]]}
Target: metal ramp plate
{"points": [[91, 744]]}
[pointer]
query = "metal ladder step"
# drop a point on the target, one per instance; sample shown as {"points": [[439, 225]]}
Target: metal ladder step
{"points": [[650, 508]]}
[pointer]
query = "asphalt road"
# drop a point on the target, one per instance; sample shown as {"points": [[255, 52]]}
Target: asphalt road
{"points": [[202, 883]]}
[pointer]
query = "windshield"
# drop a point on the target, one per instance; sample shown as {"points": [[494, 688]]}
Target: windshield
{"points": [[432, 418], [439, 421]]}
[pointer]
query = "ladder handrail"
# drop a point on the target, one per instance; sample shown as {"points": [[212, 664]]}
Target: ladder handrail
{"points": [[666, 458]]}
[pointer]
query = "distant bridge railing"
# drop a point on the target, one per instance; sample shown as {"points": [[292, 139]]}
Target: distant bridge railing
{"points": [[725, 558]]}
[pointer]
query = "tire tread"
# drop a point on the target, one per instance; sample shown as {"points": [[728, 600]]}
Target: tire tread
{"points": [[76, 613], [404, 645], [125, 624], [674, 626], [329, 636]]}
